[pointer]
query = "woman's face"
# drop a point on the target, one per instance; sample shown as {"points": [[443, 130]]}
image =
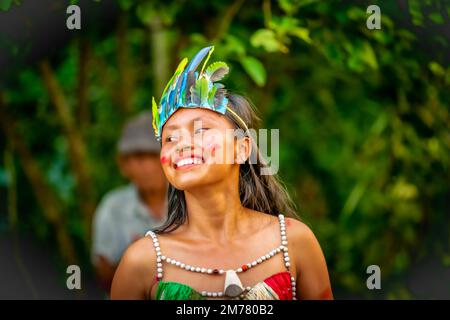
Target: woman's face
{"points": [[198, 148]]}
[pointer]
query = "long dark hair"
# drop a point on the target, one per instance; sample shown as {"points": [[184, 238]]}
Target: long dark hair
{"points": [[264, 193]]}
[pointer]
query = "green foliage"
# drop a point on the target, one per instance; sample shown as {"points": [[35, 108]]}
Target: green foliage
{"points": [[5, 5]]}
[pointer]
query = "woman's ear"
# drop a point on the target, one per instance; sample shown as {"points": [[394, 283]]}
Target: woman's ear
{"points": [[244, 149]]}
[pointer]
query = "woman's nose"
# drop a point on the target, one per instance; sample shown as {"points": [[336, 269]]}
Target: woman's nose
{"points": [[183, 147]]}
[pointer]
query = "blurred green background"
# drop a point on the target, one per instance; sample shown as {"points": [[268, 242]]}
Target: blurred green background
{"points": [[363, 118]]}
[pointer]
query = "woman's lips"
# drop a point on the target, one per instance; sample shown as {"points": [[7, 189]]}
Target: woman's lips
{"points": [[188, 162]]}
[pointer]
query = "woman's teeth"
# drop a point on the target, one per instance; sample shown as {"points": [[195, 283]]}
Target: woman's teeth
{"points": [[187, 161]]}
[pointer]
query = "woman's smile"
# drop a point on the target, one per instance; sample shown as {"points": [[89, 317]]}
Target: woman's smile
{"points": [[188, 162]]}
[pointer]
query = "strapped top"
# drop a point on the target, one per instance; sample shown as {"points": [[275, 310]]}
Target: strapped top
{"points": [[279, 286]]}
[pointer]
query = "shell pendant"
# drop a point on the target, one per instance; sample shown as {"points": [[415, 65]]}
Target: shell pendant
{"points": [[233, 286]]}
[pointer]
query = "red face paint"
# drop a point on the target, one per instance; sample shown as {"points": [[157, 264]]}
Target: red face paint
{"points": [[164, 160], [211, 148]]}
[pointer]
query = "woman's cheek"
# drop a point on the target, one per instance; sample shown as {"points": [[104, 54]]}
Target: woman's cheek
{"points": [[211, 149], [165, 156], [164, 160]]}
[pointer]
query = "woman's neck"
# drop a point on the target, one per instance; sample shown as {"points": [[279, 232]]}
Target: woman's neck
{"points": [[216, 213]]}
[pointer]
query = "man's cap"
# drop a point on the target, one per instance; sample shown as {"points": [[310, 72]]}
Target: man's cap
{"points": [[138, 135]]}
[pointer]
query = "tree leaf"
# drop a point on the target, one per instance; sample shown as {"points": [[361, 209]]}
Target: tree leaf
{"points": [[267, 39], [255, 69]]}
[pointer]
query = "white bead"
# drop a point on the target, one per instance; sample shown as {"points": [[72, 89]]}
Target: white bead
{"points": [[198, 269], [263, 258], [158, 259], [248, 288], [203, 293], [158, 249], [254, 263], [239, 270], [192, 268], [283, 233], [182, 265], [280, 216], [284, 243], [159, 265], [221, 271], [168, 260], [178, 263], [159, 275], [203, 270], [259, 260], [278, 250], [209, 271], [163, 257], [214, 294], [220, 294], [159, 270], [287, 264], [249, 265], [187, 267], [173, 262], [267, 256], [209, 294], [284, 238]]}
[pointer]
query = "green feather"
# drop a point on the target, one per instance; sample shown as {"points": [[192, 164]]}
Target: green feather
{"points": [[217, 70], [204, 91], [177, 72], [201, 90], [155, 121], [211, 95]]}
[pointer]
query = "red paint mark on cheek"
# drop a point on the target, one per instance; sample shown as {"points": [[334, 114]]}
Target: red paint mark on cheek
{"points": [[211, 148], [326, 294], [164, 160], [288, 222]]}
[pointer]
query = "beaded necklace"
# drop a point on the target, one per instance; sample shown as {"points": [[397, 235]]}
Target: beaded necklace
{"points": [[233, 286]]}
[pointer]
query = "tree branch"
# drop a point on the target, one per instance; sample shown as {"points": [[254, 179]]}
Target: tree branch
{"points": [[77, 150], [51, 206]]}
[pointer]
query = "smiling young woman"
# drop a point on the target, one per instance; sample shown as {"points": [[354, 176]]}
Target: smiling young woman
{"points": [[226, 236]]}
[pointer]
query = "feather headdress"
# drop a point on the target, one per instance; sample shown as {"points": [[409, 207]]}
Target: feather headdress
{"points": [[189, 88]]}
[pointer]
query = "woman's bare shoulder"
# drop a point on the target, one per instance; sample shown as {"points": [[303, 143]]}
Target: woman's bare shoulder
{"points": [[298, 232], [136, 271]]}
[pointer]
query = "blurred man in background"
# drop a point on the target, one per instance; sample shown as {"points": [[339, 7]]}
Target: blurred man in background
{"points": [[126, 213]]}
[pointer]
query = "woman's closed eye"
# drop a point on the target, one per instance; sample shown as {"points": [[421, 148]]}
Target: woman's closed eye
{"points": [[200, 130]]}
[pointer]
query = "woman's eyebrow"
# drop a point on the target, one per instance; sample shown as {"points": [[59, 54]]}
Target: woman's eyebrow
{"points": [[206, 117]]}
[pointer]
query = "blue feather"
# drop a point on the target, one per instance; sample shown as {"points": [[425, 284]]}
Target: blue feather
{"points": [[182, 93], [198, 58]]}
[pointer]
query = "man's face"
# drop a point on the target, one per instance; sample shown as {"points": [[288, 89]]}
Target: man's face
{"points": [[143, 170]]}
